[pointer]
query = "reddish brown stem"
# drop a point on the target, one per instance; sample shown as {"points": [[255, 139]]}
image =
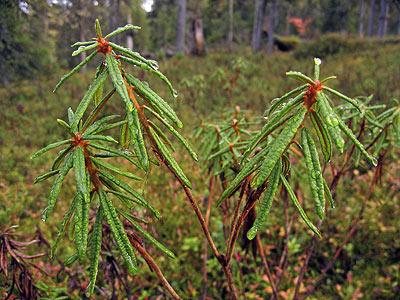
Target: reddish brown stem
{"points": [[153, 266], [266, 266]]}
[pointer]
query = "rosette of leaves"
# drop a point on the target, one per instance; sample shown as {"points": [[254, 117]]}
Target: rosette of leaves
{"points": [[87, 152], [309, 110]]}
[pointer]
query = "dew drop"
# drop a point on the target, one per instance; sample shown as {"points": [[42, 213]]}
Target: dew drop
{"points": [[175, 93], [120, 82]]}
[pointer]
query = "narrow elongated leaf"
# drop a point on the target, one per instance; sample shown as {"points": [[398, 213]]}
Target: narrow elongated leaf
{"points": [[123, 197], [146, 67], [248, 168], [329, 117], [315, 179], [139, 145], [87, 98], [132, 54], [300, 76], [118, 81], [164, 152], [344, 97], [110, 126], [273, 123], [70, 116], [323, 136], [183, 141], [64, 124], [269, 194], [84, 49], [104, 138], [46, 176], [296, 203], [119, 233], [75, 70], [80, 173], [125, 135], [279, 145], [95, 248], [61, 155], [78, 232], [115, 169], [50, 147], [62, 227], [84, 43], [279, 101], [317, 63], [347, 131], [148, 236], [156, 101], [162, 135], [96, 125], [114, 152], [328, 194], [55, 189], [121, 30]]}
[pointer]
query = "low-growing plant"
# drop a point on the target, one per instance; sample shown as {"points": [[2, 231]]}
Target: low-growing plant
{"points": [[301, 124]]}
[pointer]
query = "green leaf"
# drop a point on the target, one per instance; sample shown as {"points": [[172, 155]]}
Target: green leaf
{"points": [[132, 54], [317, 63], [50, 147], [55, 189], [123, 197], [247, 169], [121, 30], [323, 136], [279, 145], [75, 70], [167, 156], [118, 81], [183, 141], [62, 227], [110, 126], [115, 152], [146, 67], [269, 194], [80, 173], [279, 101], [330, 118], [162, 135], [97, 137], [83, 105], [139, 145], [85, 43], [314, 171], [95, 248], [119, 233], [300, 76], [340, 95], [70, 116], [98, 29], [64, 124], [347, 131], [45, 176], [148, 236], [162, 107], [84, 49], [328, 194], [115, 169], [296, 203], [124, 136], [273, 123]]}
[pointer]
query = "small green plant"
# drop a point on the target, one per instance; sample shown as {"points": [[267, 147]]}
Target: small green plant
{"points": [[87, 151], [308, 108]]}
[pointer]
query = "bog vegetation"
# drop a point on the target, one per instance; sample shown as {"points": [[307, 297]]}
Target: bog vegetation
{"points": [[269, 185]]}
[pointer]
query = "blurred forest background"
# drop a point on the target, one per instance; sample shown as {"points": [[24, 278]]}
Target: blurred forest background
{"points": [[219, 54]]}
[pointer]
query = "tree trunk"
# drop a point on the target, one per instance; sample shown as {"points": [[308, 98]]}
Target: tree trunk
{"points": [[180, 32], [361, 20], [116, 18], [81, 28], [129, 35], [230, 33], [271, 26], [198, 37], [259, 9], [385, 22], [398, 24], [382, 18], [371, 18]]}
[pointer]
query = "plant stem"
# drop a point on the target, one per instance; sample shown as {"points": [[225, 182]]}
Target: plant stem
{"points": [[266, 266], [153, 266]]}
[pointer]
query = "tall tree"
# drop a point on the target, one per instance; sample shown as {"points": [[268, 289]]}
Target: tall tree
{"points": [[230, 32], [259, 10], [361, 19], [181, 26], [371, 19], [382, 21], [271, 26]]}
